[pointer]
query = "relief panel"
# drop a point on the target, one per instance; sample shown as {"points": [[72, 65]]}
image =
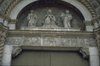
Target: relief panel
{"points": [[51, 41]]}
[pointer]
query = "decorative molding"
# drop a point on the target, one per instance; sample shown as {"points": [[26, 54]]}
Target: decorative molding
{"points": [[60, 41], [51, 38], [11, 6], [46, 32], [89, 7]]}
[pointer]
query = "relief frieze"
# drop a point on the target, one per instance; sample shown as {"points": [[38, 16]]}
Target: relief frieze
{"points": [[51, 41]]}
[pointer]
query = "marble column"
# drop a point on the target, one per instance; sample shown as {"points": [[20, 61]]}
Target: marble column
{"points": [[6, 60], [94, 56]]}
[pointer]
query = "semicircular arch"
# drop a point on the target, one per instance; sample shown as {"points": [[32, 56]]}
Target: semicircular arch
{"points": [[86, 14]]}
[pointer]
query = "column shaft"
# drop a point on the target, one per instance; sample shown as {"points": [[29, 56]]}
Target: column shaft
{"points": [[6, 61], [94, 56]]}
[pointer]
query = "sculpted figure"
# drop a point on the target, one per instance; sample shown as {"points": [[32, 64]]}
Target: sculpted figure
{"points": [[32, 18], [50, 20], [67, 19]]}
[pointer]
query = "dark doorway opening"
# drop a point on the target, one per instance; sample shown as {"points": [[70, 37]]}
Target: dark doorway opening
{"points": [[49, 58]]}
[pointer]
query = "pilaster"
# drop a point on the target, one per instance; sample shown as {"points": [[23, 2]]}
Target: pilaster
{"points": [[7, 55], [94, 56]]}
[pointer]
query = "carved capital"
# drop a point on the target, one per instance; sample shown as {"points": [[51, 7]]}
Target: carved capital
{"points": [[85, 52]]}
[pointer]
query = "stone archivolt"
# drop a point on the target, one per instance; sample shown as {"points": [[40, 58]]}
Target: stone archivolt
{"points": [[15, 2]]}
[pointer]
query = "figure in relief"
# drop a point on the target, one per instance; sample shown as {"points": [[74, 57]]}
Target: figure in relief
{"points": [[50, 20], [32, 18], [67, 19]]}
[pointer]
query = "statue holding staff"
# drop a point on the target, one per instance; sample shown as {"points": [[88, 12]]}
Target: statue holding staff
{"points": [[67, 19]]}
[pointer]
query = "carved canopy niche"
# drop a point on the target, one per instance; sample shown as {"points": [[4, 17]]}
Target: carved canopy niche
{"points": [[50, 15]]}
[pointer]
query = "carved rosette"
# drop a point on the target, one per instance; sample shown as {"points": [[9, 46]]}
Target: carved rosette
{"points": [[3, 31]]}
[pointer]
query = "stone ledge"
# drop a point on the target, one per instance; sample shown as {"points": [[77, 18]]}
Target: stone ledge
{"points": [[50, 48], [49, 33]]}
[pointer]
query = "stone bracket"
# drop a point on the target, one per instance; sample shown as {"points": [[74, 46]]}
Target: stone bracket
{"points": [[85, 52], [16, 51]]}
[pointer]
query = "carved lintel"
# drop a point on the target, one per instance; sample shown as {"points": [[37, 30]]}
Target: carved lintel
{"points": [[16, 51], [84, 52]]}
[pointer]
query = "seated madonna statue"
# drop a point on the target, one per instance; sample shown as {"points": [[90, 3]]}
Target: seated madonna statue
{"points": [[50, 20]]}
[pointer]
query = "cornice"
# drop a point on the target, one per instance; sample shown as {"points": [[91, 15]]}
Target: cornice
{"points": [[49, 33]]}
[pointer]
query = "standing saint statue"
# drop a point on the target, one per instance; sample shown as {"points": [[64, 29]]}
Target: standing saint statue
{"points": [[50, 20], [32, 18], [67, 19]]}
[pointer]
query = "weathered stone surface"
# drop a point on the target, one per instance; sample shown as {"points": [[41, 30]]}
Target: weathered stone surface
{"points": [[51, 41]]}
